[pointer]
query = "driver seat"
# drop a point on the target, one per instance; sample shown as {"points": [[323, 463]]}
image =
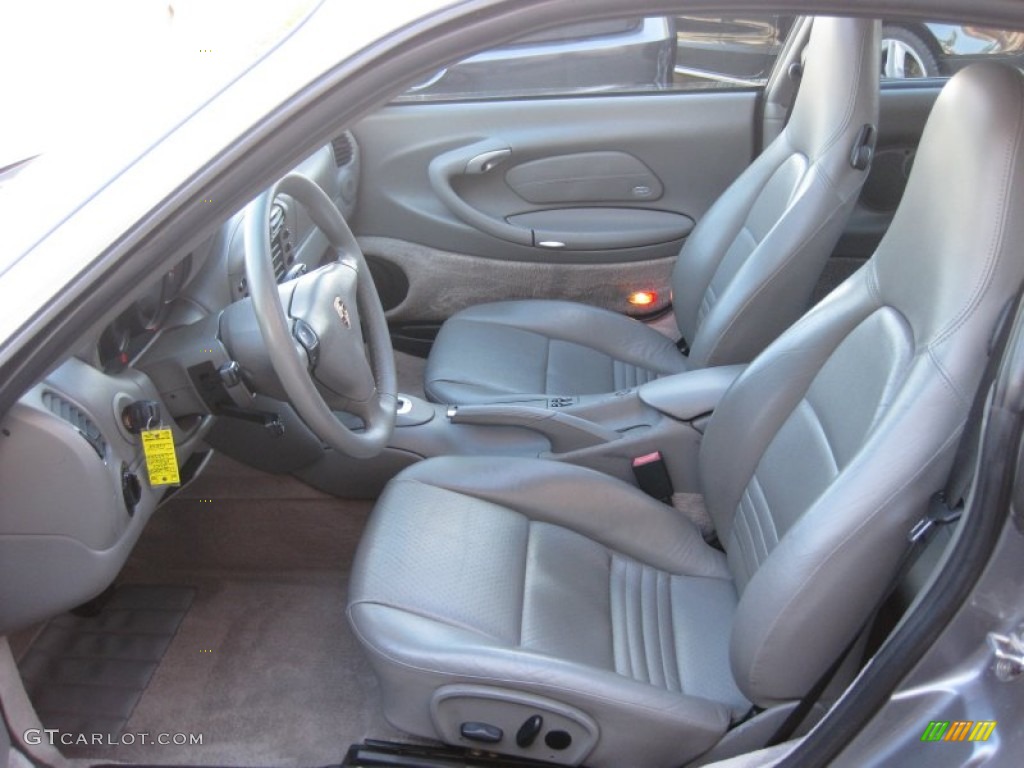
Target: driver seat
{"points": [[491, 592], [745, 274]]}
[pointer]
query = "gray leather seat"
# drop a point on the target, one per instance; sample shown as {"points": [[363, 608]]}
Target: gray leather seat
{"points": [[486, 590], [745, 274]]}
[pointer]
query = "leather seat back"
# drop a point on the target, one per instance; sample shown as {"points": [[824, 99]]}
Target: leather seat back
{"points": [[827, 449], [748, 269]]}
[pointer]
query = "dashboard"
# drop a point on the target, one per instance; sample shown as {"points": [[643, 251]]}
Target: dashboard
{"points": [[82, 509], [131, 331], [213, 275]]}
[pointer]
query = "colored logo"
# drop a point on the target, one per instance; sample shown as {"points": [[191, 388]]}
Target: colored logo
{"points": [[958, 730], [342, 310]]}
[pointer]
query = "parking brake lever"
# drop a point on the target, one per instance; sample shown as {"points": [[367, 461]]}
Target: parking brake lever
{"points": [[564, 431]]}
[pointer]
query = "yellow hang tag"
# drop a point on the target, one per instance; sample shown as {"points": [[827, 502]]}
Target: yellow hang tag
{"points": [[161, 463]]}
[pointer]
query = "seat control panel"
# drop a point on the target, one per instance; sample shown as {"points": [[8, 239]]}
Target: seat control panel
{"points": [[513, 723]]}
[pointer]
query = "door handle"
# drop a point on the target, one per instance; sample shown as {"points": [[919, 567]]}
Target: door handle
{"points": [[486, 162], [474, 160]]}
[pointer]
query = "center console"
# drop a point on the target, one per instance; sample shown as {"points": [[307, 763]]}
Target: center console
{"points": [[660, 422], [603, 432]]}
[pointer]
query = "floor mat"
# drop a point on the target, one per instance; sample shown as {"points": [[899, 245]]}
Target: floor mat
{"points": [[86, 674], [264, 669]]}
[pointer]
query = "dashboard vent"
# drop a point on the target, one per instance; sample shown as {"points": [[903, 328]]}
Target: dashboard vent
{"points": [[276, 239], [76, 417], [343, 149]]}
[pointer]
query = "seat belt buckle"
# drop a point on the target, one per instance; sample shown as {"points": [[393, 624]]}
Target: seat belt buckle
{"points": [[939, 513], [652, 476]]}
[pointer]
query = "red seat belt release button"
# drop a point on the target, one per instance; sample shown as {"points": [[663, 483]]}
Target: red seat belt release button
{"points": [[652, 476]]}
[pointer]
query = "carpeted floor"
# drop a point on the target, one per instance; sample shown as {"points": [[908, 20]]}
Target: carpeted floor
{"points": [[263, 665], [265, 669]]}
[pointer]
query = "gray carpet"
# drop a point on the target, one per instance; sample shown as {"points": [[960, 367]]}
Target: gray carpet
{"points": [[263, 665], [442, 282]]}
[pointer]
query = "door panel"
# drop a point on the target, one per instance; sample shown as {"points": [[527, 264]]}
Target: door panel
{"points": [[600, 189], [422, 286], [602, 228], [593, 177]]}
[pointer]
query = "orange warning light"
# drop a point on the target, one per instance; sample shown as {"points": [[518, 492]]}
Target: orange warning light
{"points": [[642, 298]]}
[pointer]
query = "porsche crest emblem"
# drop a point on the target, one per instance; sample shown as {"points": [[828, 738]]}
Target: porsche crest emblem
{"points": [[342, 310]]}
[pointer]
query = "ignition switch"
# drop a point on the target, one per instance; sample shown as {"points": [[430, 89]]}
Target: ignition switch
{"points": [[140, 415]]}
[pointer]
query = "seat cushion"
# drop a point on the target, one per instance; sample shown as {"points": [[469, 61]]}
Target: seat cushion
{"points": [[522, 350], [551, 580]]}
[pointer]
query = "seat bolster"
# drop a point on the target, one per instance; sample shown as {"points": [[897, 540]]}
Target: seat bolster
{"points": [[716, 231], [598, 506], [753, 410], [414, 655]]}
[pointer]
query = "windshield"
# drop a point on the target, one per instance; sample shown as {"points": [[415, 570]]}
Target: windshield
{"points": [[70, 64]]}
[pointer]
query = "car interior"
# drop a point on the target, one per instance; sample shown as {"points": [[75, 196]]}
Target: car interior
{"points": [[742, 277], [584, 428]]}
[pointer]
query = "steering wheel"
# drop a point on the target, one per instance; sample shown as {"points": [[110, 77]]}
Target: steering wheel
{"points": [[312, 331]]}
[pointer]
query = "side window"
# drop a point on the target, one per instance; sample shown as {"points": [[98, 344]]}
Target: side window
{"points": [[728, 50], [688, 53], [939, 50], [639, 54]]}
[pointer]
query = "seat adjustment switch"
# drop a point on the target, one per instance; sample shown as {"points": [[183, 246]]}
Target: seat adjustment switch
{"points": [[528, 731], [481, 732], [558, 740]]}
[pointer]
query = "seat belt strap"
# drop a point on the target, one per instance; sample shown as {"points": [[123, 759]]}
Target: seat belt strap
{"points": [[945, 507], [962, 474], [948, 504], [916, 540]]}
